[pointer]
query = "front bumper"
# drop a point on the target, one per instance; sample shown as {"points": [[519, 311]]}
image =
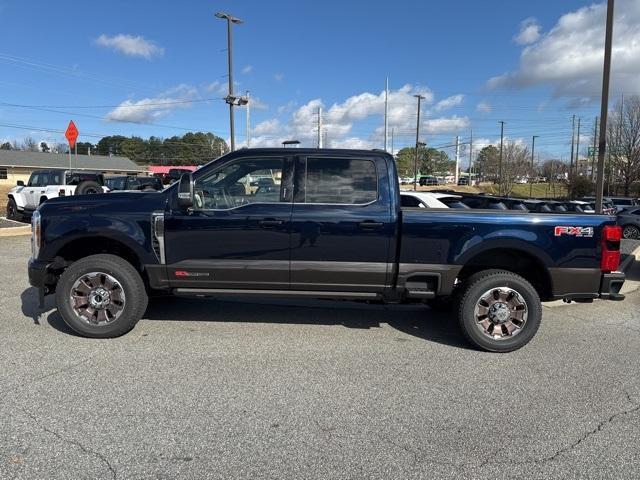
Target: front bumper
{"points": [[610, 286]]}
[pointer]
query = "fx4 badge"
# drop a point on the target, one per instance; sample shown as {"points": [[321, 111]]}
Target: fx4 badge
{"points": [[574, 231]]}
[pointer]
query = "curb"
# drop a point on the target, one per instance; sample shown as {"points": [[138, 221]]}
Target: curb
{"points": [[632, 257], [15, 231]]}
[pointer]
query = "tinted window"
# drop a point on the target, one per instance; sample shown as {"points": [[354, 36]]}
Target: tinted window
{"points": [[409, 201], [115, 183], [241, 183], [456, 204], [334, 180]]}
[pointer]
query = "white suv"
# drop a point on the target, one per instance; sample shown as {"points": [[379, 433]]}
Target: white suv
{"points": [[46, 184]]}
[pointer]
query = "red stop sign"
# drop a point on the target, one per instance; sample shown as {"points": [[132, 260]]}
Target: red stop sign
{"points": [[71, 134]]}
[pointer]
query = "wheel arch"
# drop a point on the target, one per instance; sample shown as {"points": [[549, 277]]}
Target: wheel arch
{"points": [[517, 260]]}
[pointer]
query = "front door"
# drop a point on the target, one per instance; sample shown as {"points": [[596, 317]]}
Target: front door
{"points": [[237, 234], [342, 225]]}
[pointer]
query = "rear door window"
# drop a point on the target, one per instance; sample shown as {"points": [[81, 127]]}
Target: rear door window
{"points": [[340, 181]]}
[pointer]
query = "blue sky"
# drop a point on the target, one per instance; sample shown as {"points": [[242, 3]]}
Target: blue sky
{"points": [[159, 68]]}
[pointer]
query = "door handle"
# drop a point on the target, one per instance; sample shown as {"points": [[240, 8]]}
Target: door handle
{"points": [[368, 225], [270, 222]]}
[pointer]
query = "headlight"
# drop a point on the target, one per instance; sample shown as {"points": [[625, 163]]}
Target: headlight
{"points": [[36, 234]]}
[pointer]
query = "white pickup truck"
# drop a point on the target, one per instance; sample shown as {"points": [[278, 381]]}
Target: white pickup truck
{"points": [[45, 184]]}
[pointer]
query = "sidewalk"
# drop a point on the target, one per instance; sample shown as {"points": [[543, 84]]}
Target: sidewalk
{"points": [[10, 228]]}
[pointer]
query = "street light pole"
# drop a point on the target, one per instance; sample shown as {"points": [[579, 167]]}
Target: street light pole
{"points": [[230, 99], [602, 144], [533, 148], [415, 162], [500, 162]]}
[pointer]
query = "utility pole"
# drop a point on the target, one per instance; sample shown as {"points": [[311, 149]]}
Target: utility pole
{"points": [[415, 162], [604, 107], [457, 159], [573, 140], [500, 162], [248, 120], [230, 99], [533, 148], [593, 157], [392, 134], [470, 155], [386, 112], [319, 127], [578, 148]]}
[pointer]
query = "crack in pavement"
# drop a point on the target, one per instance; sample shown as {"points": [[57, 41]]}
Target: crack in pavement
{"points": [[550, 458], [75, 443], [46, 375]]}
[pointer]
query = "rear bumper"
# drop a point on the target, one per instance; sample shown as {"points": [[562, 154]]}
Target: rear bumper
{"points": [[610, 286], [585, 284]]}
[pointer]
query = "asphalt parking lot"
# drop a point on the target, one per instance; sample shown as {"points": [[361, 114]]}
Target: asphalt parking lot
{"points": [[237, 389]]}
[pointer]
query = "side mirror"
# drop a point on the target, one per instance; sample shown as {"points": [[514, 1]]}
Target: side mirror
{"points": [[20, 183], [185, 191]]}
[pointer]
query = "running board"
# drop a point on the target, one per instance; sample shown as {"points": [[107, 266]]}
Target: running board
{"points": [[210, 292]]}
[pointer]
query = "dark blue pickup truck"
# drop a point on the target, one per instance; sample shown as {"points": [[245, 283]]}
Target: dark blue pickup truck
{"points": [[311, 223]]}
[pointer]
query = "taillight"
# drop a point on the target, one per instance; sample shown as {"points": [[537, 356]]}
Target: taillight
{"points": [[611, 235]]}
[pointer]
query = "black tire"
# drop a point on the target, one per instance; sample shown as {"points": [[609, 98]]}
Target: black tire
{"points": [[631, 232], [132, 286], [88, 187], [473, 290], [12, 211]]}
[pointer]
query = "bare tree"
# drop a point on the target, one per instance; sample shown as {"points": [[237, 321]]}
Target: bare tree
{"points": [[29, 145], [623, 140], [515, 164]]}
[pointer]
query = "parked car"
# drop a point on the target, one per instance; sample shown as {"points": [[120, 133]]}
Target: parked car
{"points": [[579, 206], [463, 181], [486, 202], [430, 200], [133, 183], [47, 184], [334, 229], [629, 220], [539, 206], [623, 202], [428, 180]]}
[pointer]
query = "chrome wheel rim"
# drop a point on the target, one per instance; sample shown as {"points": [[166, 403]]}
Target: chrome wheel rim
{"points": [[501, 313], [97, 298], [630, 232]]}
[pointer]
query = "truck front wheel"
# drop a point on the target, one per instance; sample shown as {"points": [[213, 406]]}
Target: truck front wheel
{"points": [[499, 311], [101, 296]]}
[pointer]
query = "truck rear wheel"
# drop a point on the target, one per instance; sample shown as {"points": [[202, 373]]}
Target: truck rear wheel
{"points": [[101, 296], [499, 311]]}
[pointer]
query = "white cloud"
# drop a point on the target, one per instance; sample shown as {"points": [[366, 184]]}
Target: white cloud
{"points": [[438, 126], [217, 87], [148, 110], [483, 107], [361, 114], [353, 143], [278, 77], [529, 32], [448, 102], [268, 127], [247, 69], [130, 45], [569, 57]]}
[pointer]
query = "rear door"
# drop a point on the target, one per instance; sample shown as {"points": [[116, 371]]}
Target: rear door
{"points": [[341, 226]]}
